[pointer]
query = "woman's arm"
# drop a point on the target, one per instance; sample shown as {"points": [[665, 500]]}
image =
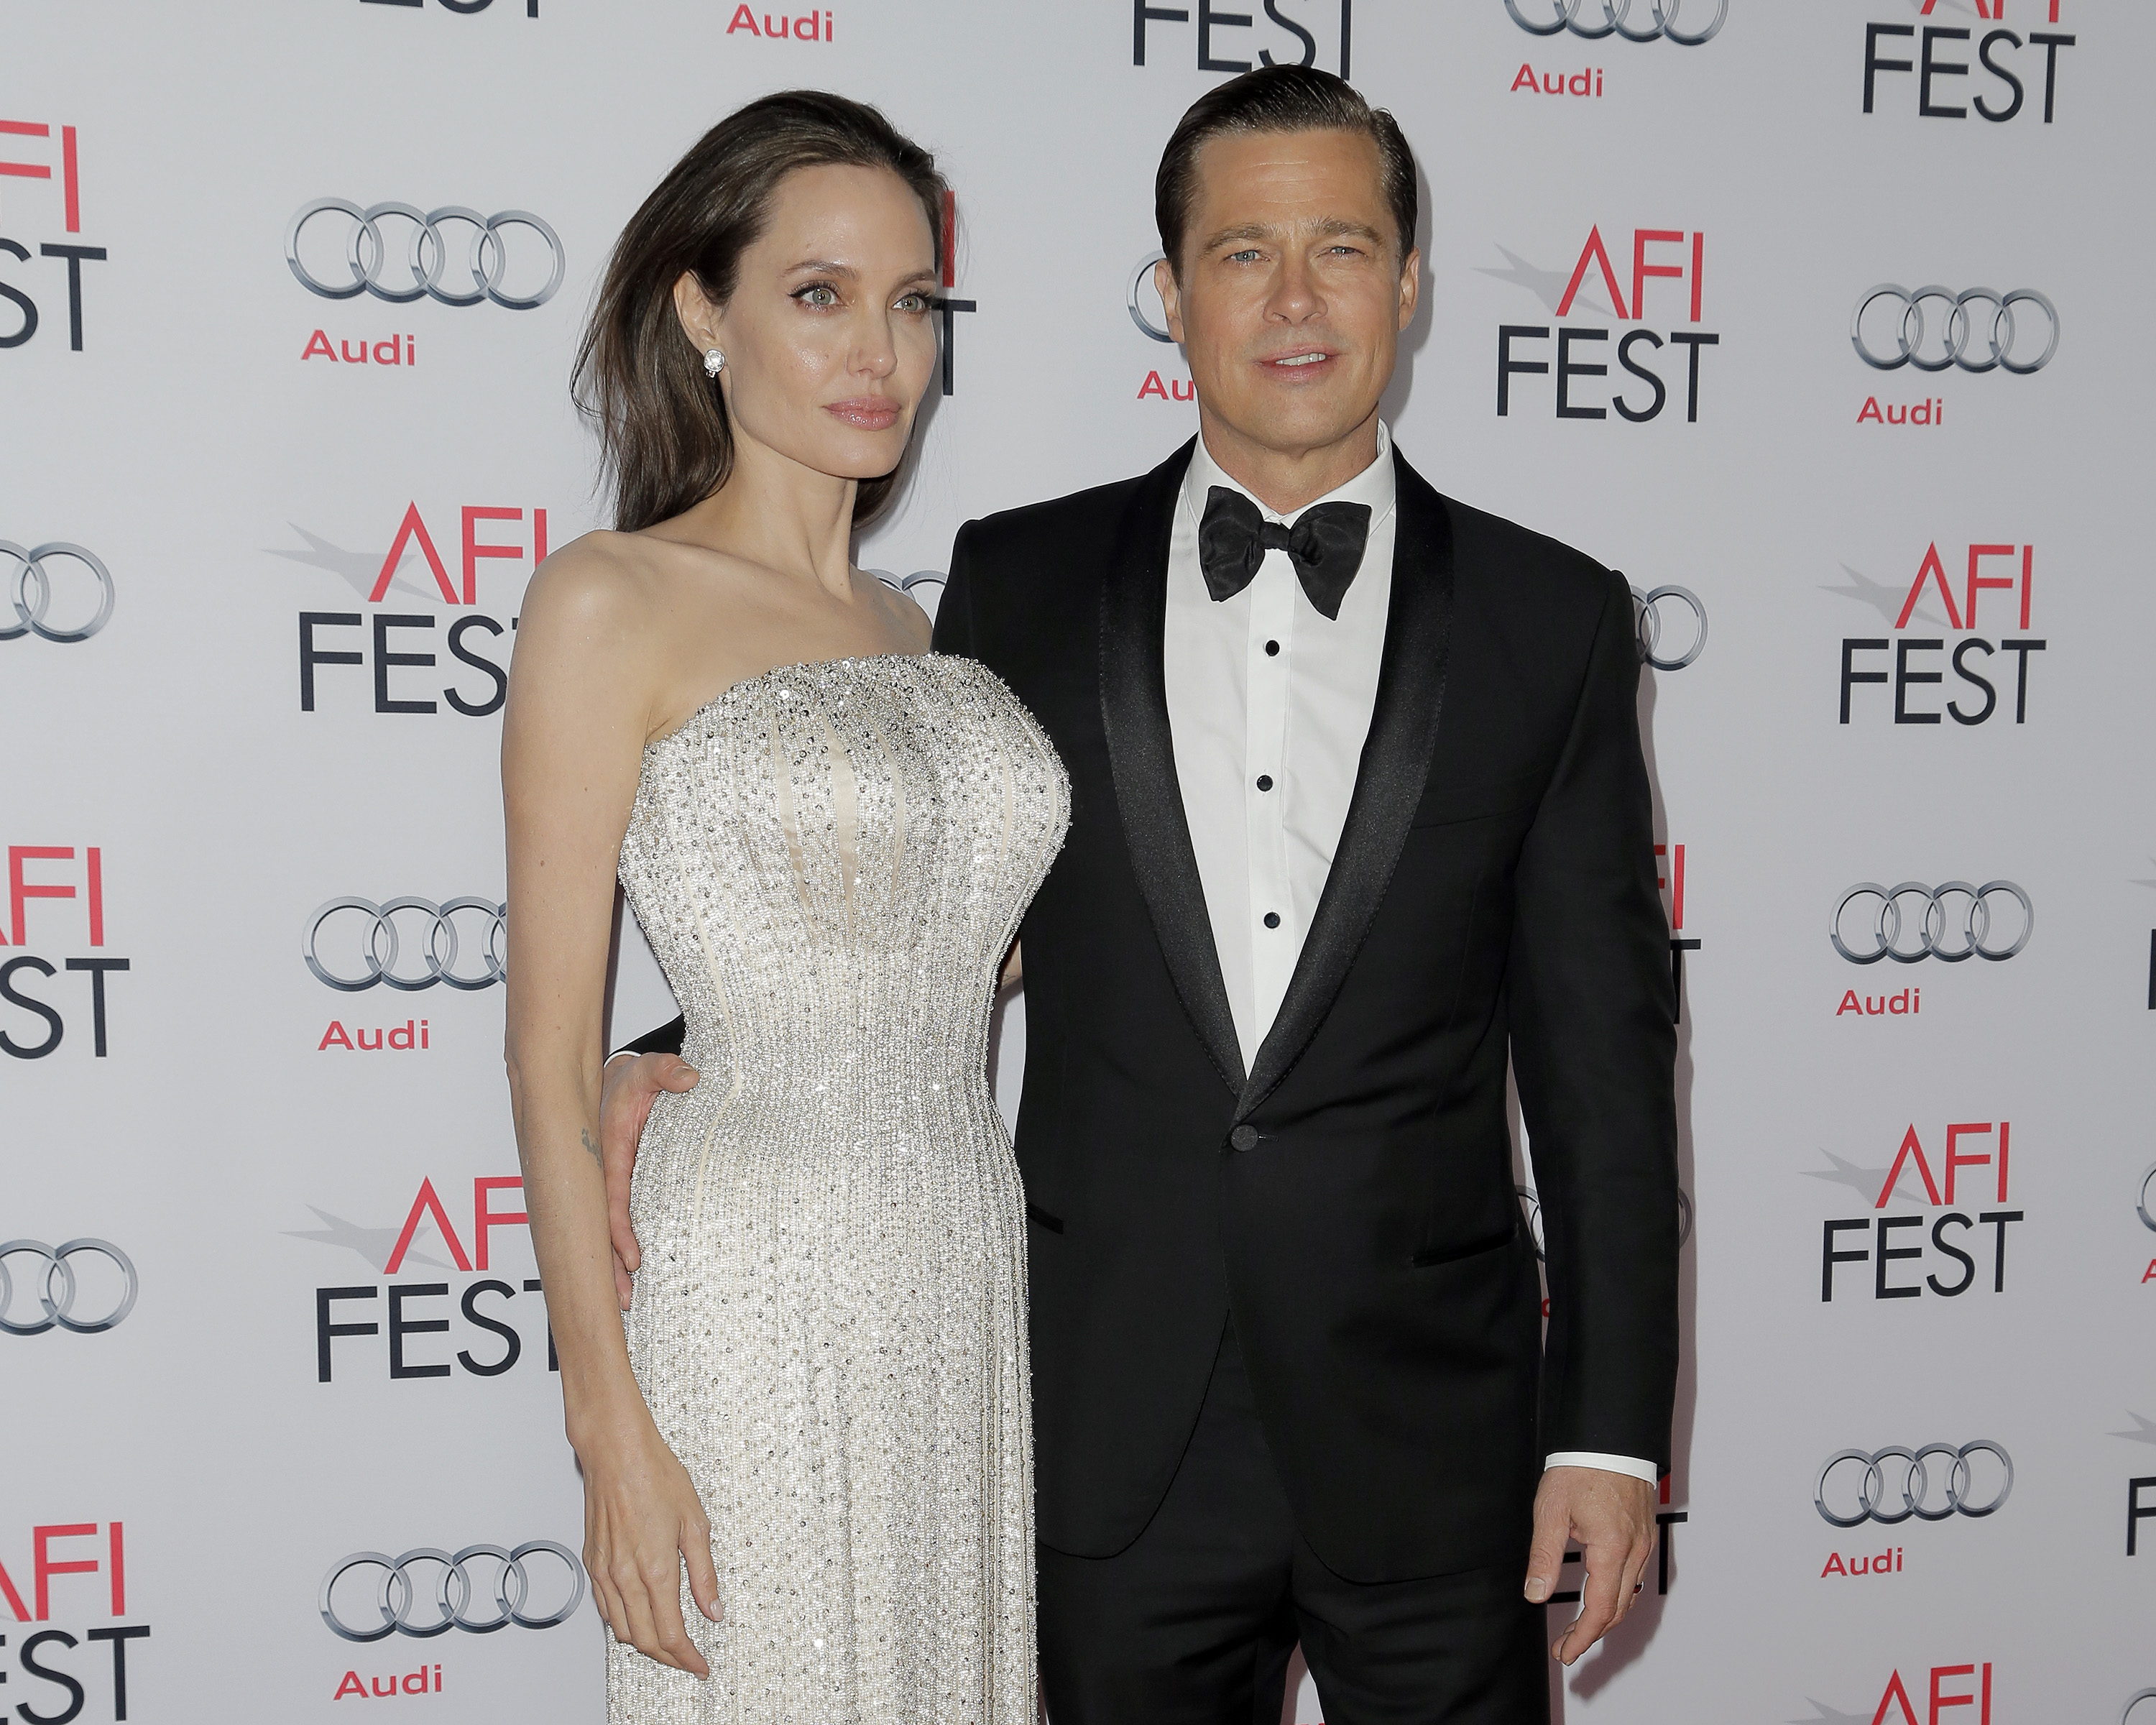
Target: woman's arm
{"points": [[581, 697]]}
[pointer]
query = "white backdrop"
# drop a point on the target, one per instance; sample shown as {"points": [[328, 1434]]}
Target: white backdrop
{"points": [[178, 1485]]}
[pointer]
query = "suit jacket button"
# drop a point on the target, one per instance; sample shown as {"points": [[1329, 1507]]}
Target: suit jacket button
{"points": [[1243, 1137]]}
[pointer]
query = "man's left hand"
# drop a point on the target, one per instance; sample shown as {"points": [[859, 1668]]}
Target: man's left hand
{"points": [[1612, 1516]]}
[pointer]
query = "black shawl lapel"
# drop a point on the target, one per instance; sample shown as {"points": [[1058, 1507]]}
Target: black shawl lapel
{"points": [[1141, 757], [1388, 784]]}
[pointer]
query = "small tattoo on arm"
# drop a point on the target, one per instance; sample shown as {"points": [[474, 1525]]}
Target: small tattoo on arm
{"points": [[584, 1132]]}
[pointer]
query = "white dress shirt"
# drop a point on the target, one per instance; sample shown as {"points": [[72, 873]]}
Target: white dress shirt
{"points": [[1268, 703]]}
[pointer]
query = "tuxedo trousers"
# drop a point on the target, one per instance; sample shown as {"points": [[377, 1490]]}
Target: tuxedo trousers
{"points": [[1195, 1621]]}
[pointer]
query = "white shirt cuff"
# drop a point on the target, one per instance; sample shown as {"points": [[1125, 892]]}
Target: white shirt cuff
{"points": [[1631, 1465]]}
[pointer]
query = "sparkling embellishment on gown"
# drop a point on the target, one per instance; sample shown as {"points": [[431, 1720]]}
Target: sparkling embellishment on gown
{"points": [[829, 1323]]}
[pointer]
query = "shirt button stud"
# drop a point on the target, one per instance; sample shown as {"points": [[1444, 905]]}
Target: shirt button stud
{"points": [[1272, 919], [1272, 649], [1243, 1137], [1264, 781]]}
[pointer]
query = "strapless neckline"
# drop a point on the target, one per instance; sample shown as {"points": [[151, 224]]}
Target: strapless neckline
{"points": [[733, 689]]}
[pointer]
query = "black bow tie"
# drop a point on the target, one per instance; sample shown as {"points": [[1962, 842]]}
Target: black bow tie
{"points": [[1325, 545]]}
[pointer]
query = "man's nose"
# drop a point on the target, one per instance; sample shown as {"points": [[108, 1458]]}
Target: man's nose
{"points": [[1295, 296]]}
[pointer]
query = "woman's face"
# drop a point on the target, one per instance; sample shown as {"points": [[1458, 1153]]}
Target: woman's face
{"points": [[828, 337]]}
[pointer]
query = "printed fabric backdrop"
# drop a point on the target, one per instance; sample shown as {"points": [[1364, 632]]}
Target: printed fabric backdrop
{"points": [[1809, 315]]}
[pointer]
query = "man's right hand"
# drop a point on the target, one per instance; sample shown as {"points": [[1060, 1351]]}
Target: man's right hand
{"points": [[631, 1083]]}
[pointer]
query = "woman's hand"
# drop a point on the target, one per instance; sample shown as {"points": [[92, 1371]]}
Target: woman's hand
{"points": [[642, 1522]]}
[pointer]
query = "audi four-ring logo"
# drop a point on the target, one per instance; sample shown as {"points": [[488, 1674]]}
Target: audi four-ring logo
{"points": [[429, 1592], [1139, 277], [1949, 937], [1651, 627], [919, 578], [1616, 17], [1880, 1498], [55, 1287], [29, 588], [1957, 327], [2141, 1204], [426, 257], [2128, 1719], [377, 945]]}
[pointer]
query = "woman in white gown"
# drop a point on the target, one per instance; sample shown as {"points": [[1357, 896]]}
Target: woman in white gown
{"points": [[807, 1456]]}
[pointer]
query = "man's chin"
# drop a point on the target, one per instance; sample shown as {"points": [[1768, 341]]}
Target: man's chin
{"points": [[1290, 420]]}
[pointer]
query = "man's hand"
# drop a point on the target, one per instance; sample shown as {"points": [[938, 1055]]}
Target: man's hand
{"points": [[630, 1086], [1612, 1515]]}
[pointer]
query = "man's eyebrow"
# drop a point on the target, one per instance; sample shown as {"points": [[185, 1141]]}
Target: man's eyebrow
{"points": [[1342, 227], [1336, 227], [1247, 230]]}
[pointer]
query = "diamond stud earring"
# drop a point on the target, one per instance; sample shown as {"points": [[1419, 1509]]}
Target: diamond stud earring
{"points": [[715, 361]]}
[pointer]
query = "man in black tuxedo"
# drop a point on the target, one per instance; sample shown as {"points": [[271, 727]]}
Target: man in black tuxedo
{"points": [[1359, 811]]}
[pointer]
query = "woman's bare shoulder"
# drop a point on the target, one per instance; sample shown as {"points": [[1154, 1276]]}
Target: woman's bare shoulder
{"points": [[904, 611], [601, 578]]}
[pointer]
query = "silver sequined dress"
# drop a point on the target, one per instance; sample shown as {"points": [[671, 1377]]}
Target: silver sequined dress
{"points": [[829, 1323]]}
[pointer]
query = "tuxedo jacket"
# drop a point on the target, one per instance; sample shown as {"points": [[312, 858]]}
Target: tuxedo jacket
{"points": [[1350, 1200]]}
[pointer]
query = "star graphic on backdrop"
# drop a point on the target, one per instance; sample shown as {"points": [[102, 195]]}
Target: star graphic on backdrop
{"points": [[1823, 1715], [1547, 286], [374, 1244], [361, 569], [2144, 1433], [1865, 1180], [1887, 600]]}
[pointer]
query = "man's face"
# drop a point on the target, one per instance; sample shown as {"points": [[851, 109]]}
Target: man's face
{"points": [[1293, 292]]}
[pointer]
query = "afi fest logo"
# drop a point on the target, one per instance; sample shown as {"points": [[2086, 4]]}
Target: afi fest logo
{"points": [[1965, 1245], [397, 642], [1926, 1697], [1981, 666], [396, 1313], [31, 143], [946, 306], [76, 1574], [59, 592], [1219, 37], [1931, 76], [1669, 878], [34, 1023], [1658, 254], [2140, 1506]]}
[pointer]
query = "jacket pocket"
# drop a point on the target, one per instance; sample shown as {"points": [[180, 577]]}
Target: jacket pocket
{"points": [[1431, 1257], [1040, 1218], [1448, 805]]}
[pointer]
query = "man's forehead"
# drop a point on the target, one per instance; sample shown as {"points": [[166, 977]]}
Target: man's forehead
{"points": [[1290, 176]]}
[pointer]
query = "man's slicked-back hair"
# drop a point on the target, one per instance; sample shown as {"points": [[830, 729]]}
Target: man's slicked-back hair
{"points": [[1278, 99]]}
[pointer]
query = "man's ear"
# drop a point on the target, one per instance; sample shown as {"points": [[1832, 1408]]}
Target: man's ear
{"points": [[700, 317], [1410, 287], [1170, 297]]}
